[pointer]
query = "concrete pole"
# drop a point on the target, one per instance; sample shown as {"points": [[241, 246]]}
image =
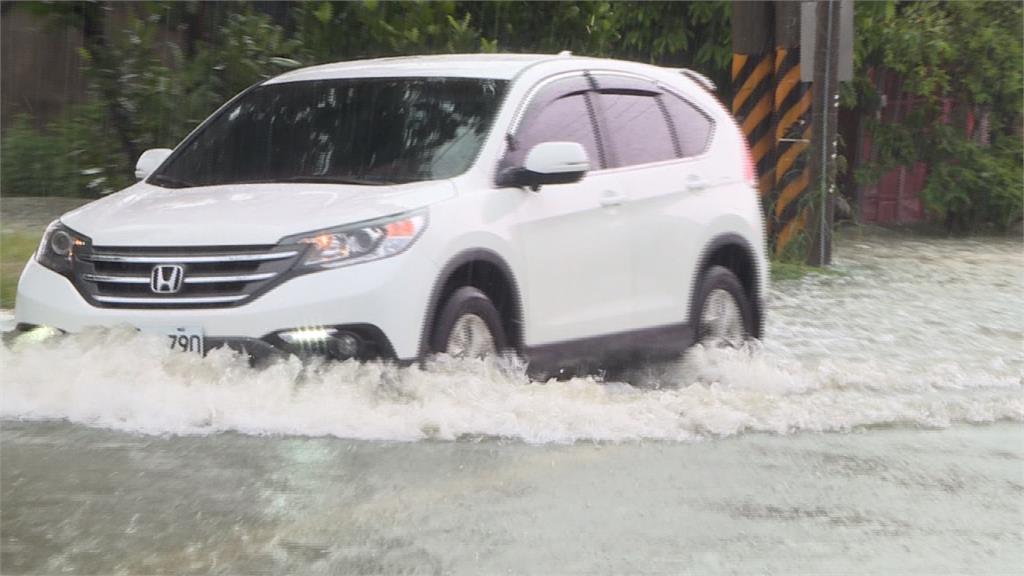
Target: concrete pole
{"points": [[752, 82], [787, 216], [823, 134]]}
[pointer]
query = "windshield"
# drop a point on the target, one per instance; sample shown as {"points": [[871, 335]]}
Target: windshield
{"points": [[363, 131]]}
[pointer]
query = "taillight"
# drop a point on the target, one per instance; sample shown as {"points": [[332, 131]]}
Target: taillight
{"points": [[749, 172]]}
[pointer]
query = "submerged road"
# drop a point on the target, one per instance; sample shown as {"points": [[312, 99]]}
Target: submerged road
{"points": [[878, 429], [876, 502]]}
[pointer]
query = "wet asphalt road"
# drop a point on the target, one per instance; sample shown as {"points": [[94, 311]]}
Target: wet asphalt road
{"points": [[79, 500]]}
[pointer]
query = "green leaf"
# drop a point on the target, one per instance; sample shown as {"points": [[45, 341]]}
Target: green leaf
{"points": [[324, 12]]}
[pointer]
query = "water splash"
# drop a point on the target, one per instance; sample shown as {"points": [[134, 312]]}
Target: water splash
{"points": [[902, 336]]}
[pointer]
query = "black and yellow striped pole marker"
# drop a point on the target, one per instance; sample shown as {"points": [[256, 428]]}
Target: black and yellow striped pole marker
{"points": [[752, 106], [792, 101]]}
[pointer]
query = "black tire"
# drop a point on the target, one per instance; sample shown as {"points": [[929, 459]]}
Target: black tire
{"points": [[720, 278], [467, 300]]}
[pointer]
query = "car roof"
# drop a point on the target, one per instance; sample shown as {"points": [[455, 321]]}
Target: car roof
{"points": [[497, 66]]}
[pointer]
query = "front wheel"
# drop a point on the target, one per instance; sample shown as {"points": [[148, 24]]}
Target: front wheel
{"points": [[468, 326], [722, 309]]}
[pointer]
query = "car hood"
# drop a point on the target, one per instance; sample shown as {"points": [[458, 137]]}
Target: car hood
{"points": [[241, 214]]}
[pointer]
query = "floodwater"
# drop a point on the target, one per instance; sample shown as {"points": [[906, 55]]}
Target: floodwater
{"points": [[878, 428]]}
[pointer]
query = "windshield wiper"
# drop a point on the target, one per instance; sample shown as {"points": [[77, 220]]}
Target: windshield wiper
{"points": [[168, 182]]}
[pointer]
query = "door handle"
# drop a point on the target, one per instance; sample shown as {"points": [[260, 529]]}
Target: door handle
{"points": [[695, 183], [612, 198]]}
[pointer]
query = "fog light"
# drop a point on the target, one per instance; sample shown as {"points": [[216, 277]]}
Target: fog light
{"points": [[304, 336], [345, 346], [36, 334]]}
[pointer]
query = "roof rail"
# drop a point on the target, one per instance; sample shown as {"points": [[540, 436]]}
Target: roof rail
{"points": [[699, 78]]}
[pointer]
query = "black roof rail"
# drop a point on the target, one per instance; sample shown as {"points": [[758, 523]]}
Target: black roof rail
{"points": [[699, 78]]}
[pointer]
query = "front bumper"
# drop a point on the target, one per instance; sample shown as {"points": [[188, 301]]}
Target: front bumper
{"points": [[388, 295]]}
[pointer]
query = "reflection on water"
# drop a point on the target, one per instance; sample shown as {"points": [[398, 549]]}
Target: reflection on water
{"points": [[924, 333]]}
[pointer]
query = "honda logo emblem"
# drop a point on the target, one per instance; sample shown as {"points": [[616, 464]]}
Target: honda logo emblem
{"points": [[166, 279]]}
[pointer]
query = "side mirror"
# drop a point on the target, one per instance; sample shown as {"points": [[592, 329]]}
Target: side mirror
{"points": [[549, 163], [150, 160]]}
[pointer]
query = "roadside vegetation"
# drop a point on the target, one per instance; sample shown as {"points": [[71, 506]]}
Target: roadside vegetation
{"points": [[783, 270], [158, 68], [961, 64], [156, 73], [15, 250]]}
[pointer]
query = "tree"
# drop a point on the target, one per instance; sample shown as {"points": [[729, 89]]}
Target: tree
{"points": [[159, 68], [961, 61]]}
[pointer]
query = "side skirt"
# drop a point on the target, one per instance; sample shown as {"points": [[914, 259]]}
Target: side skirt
{"points": [[610, 351]]}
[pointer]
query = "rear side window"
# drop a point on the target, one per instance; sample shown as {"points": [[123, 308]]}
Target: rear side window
{"points": [[561, 113], [692, 126], [637, 128]]}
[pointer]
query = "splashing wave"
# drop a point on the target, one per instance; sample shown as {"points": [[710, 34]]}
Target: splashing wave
{"points": [[123, 380]]}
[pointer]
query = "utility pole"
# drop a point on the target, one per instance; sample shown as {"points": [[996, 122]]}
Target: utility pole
{"points": [[788, 58], [752, 66], [787, 215], [823, 133]]}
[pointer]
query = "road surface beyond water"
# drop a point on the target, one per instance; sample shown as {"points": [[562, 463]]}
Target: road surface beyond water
{"points": [[877, 430], [880, 501]]}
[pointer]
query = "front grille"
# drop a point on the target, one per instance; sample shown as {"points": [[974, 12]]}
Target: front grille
{"points": [[211, 277]]}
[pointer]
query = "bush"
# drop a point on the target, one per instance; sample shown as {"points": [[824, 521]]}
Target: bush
{"points": [[73, 156], [976, 185], [967, 53]]}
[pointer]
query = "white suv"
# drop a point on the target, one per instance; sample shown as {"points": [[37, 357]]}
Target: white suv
{"points": [[571, 209]]}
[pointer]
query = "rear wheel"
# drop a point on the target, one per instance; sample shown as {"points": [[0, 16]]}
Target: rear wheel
{"points": [[722, 309], [468, 326]]}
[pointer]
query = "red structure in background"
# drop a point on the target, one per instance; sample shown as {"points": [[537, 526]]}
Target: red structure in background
{"points": [[896, 197]]}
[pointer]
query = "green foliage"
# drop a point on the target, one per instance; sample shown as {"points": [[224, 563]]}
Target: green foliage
{"points": [[253, 49], [74, 156], [163, 94], [981, 186], [784, 270], [166, 95], [964, 53], [348, 30], [795, 252], [691, 34], [27, 161], [147, 91], [15, 250]]}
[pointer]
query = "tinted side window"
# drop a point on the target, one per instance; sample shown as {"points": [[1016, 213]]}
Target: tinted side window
{"points": [[637, 128], [565, 119], [692, 126]]}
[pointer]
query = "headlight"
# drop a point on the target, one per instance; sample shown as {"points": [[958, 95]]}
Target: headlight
{"points": [[361, 242], [57, 248]]}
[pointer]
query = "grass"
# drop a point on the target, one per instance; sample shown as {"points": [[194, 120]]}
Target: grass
{"points": [[15, 250], [789, 270]]}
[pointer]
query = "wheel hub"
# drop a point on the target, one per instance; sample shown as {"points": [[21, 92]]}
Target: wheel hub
{"points": [[470, 338], [721, 319]]}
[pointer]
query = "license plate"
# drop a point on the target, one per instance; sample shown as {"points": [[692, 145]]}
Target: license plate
{"points": [[186, 340]]}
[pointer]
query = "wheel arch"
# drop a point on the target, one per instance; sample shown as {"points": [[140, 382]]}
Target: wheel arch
{"points": [[488, 271], [734, 252]]}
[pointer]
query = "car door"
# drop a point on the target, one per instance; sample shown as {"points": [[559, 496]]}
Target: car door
{"points": [[577, 264], [665, 177]]}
